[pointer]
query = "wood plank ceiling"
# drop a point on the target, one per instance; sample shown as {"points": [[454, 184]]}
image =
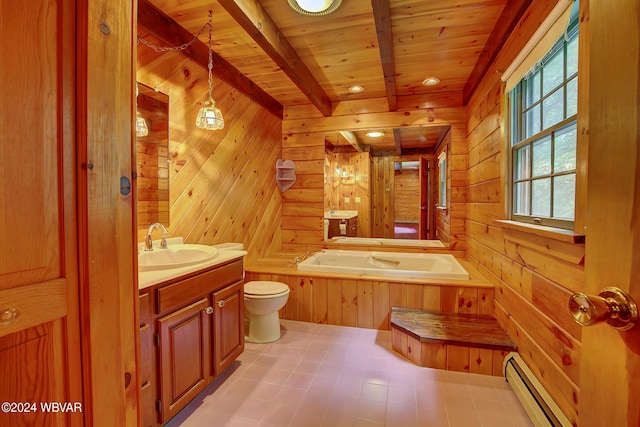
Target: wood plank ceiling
{"points": [[386, 46]]}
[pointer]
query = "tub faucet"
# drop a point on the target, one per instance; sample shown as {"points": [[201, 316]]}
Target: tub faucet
{"points": [[299, 259], [148, 241]]}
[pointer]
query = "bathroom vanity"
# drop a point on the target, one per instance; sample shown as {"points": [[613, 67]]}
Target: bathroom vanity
{"points": [[341, 223], [191, 329]]}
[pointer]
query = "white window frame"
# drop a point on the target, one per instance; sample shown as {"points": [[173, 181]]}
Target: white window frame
{"points": [[520, 141]]}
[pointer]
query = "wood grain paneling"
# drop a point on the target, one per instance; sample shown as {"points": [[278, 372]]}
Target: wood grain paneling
{"points": [[222, 183], [366, 303], [303, 139], [533, 275]]}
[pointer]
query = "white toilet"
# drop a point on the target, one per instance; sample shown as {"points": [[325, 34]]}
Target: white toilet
{"points": [[262, 300]]}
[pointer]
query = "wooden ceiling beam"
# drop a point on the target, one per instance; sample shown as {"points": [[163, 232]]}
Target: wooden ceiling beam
{"points": [[382, 17], [352, 139], [172, 34], [397, 139], [250, 15], [511, 14]]}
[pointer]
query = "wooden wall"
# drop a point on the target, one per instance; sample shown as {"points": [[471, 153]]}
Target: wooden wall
{"points": [[407, 195], [352, 193], [534, 275], [367, 303], [303, 141], [222, 183]]}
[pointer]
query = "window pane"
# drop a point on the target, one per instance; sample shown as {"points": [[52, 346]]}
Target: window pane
{"points": [[521, 198], [572, 57], [564, 158], [521, 167], [553, 109], [532, 89], [532, 121], [564, 196], [542, 156], [572, 97], [541, 200], [553, 72]]}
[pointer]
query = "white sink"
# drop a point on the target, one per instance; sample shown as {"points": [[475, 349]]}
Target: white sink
{"points": [[175, 256], [340, 214]]}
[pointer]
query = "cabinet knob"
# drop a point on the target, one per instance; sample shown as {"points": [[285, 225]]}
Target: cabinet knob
{"points": [[8, 316], [221, 303], [208, 310]]}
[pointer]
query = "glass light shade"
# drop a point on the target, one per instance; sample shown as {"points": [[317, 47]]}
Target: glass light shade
{"points": [[141, 127], [314, 5], [209, 116]]}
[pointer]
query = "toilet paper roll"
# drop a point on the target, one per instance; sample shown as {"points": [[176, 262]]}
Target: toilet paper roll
{"points": [[343, 228]]}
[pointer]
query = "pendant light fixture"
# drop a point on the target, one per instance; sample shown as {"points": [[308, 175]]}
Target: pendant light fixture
{"points": [[141, 127], [209, 116]]}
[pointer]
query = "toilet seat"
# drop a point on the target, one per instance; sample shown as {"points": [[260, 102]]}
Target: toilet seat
{"points": [[265, 289]]}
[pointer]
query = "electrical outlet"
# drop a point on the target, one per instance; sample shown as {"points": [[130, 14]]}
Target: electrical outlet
{"points": [[347, 199], [357, 199]]}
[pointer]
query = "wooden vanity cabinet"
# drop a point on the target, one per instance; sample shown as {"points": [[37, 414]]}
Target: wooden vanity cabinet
{"points": [[195, 331], [350, 225], [184, 355], [228, 311]]}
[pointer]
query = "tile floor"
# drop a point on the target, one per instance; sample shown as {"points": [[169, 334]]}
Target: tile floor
{"points": [[322, 375]]}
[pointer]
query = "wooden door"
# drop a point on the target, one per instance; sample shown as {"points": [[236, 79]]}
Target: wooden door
{"points": [[39, 321], [228, 327], [184, 372], [610, 363]]}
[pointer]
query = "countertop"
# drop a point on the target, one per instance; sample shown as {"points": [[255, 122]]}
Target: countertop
{"points": [[150, 278]]}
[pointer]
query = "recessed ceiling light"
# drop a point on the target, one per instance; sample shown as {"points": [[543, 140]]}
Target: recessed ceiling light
{"points": [[356, 89], [375, 134], [431, 81], [314, 7]]}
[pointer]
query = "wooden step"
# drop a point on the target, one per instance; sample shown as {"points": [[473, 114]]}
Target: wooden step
{"points": [[457, 342]]}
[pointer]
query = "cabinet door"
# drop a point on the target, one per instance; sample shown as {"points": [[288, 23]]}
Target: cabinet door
{"points": [[184, 356], [228, 325]]}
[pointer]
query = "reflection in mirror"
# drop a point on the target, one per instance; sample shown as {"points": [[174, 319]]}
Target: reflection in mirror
{"points": [[382, 184], [152, 157]]}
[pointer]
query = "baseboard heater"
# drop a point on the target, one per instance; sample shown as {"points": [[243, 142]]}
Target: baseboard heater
{"points": [[539, 405]]}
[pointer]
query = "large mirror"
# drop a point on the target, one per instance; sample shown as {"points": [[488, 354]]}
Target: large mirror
{"points": [[152, 148], [382, 184]]}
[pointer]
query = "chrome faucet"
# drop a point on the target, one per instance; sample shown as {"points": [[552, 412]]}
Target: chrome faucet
{"points": [[333, 210], [148, 241]]}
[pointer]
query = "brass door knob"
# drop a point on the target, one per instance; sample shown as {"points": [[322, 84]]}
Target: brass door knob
{"points": [[612, 305]]}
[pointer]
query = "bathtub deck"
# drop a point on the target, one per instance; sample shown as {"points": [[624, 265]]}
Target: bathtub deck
{"points": [[456, 342]]}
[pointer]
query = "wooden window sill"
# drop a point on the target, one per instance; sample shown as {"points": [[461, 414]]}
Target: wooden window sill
{"points": [[566, 236], [562, 244]]}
